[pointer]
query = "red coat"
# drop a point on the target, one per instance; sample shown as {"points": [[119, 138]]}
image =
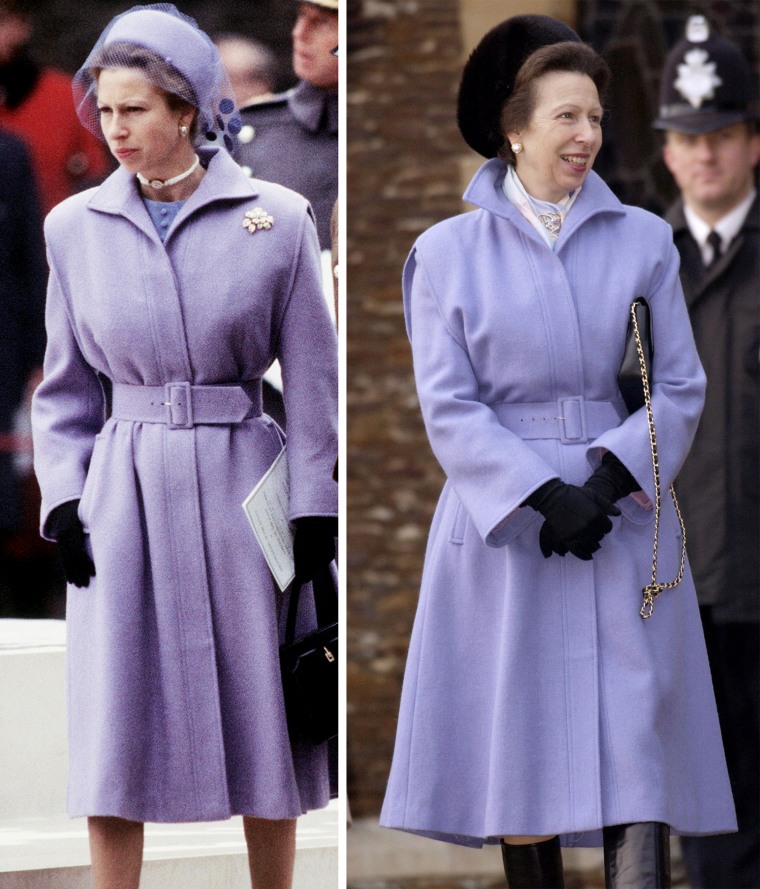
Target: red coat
{"points": [[66, 157]]}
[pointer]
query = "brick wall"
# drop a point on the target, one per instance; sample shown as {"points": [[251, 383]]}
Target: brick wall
{"points": [[404, 60]]}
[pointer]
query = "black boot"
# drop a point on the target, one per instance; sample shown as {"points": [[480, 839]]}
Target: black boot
{"points": [[534, 865], [637, 856]]}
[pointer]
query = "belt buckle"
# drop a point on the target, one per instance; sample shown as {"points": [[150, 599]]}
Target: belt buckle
{"points": [[572, 417], [179, 405]]}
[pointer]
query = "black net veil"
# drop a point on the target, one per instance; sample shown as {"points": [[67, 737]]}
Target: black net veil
{"points": [[181, 60]]}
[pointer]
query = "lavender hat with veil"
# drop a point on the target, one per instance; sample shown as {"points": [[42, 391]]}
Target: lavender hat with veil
{"points": [[196, 72]]}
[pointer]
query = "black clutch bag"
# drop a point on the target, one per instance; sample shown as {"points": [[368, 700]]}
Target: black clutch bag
{"points": [[630, 380], [309, 666]]}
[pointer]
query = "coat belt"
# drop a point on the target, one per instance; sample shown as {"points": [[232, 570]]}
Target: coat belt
{"points": [[572, 420], [182, 405]]}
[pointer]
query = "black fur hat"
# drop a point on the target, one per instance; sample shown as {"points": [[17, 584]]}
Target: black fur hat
{"points": [[490, 73]]}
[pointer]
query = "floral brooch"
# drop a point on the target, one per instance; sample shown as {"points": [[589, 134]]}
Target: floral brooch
{"points": [[257, 220]]}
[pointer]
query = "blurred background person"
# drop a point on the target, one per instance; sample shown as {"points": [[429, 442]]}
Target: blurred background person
{"points": [[61, 158], [708, 113], [292, 138], [35, 103], [23, 273], [251, 66]]}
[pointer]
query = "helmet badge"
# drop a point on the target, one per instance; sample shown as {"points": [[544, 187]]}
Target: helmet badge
{"points": [[697, 79]]}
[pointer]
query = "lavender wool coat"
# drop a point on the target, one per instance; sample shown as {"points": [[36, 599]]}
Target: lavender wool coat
{"points": [[175, 705], [536, 700]]}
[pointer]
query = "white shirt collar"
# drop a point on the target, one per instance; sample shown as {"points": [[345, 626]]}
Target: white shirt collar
{"points": [[728, 227]]}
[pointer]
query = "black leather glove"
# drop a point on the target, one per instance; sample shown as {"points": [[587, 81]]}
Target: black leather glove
{"points": [[313, 545], [611, 479], [550, 543], [64, 526], [576, 518]]}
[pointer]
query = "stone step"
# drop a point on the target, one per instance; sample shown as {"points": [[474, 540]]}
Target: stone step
{"points": [[32, 717], [377, 858], [41, 848], [52, 853]]}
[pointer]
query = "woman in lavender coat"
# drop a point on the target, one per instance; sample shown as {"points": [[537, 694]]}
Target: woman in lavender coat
{"points": [[173, 287], [539, 709]]}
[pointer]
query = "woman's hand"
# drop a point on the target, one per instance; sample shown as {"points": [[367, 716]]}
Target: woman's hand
{"points": [[576, 518], [611, 479], [64, 526], [313, 545]]}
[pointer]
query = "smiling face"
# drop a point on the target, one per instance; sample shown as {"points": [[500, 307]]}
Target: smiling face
{"points": [[562, 137], [714, 170], [140, 127], [315, 34]]}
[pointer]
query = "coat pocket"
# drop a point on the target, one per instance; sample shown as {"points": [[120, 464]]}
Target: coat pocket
{"points": [[274, 430], [91, 481], [635, 512], [459, 524], [512, 527]]}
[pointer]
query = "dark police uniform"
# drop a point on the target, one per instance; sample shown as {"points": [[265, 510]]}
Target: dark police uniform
{"points": [[708, 85], [292, 139]]}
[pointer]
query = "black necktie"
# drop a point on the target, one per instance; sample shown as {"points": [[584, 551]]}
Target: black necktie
{"points": [[715, 241]]}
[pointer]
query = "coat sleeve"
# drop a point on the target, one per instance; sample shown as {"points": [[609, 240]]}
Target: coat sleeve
{"points": [[308, 353], [68, 408], [678, 390], [491, 469]]}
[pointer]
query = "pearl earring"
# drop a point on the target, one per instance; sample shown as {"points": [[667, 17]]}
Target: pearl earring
{"points": [[183, 129], [516, 147]]}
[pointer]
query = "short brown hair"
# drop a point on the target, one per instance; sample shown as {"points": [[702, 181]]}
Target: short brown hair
{"points": [[577, 58], [165, 77]]}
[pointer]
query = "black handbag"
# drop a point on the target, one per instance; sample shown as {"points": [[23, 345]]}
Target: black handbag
{"points": [[630, 380], [309, 665]]}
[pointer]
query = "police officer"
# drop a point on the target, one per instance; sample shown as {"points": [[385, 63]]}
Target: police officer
{"points": [[709, 117], [292, 138]]}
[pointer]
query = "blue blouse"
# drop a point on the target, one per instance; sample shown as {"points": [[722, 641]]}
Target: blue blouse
{"points": [[163, 213]]}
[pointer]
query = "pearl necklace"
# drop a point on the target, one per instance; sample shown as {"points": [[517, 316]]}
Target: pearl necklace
{"points": [[162, 183]]}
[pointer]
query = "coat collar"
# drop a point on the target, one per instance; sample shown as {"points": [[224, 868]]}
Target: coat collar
{"points": [[485, 191], [120, 194], [314, 108]]}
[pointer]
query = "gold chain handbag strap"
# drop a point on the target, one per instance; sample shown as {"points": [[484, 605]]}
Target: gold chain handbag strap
{"points": [[653, 589]]}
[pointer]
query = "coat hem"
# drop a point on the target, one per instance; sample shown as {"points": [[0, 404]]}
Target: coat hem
{"points": [[234, 812], [590, 837]]}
